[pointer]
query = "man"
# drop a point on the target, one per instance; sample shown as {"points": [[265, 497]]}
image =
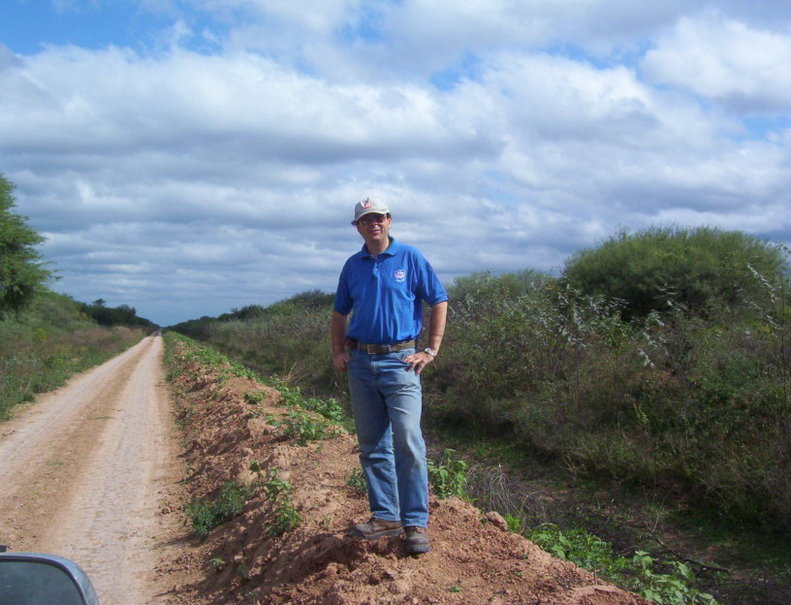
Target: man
{"points": [[383, 287]]}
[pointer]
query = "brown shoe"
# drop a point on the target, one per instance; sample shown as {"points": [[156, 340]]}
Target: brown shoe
{"points": [[377, 528], [416, 540]]}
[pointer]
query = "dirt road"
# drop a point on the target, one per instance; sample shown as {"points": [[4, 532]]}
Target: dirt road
{"points": [[87, 472]]}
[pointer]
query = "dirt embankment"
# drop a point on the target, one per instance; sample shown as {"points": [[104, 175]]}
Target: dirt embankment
{"points": [[474, 559]]}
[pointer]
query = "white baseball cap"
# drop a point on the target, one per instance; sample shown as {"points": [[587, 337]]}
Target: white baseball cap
{"points": [[369, 205]]}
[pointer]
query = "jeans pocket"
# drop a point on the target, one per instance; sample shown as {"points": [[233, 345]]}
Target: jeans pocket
{"points": [[404, 353]]}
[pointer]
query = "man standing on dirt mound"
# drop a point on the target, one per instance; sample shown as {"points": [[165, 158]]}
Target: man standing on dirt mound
{"points": [[383, 287]]}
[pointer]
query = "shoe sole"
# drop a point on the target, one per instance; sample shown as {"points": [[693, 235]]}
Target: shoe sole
{"points": [[418, 550], [377, 535]]}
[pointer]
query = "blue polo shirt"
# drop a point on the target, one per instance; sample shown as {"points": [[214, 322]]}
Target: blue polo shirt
{"points": [[384, 293]]}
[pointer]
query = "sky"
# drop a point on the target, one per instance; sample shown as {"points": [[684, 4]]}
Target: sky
{"points": [[189, 157]]}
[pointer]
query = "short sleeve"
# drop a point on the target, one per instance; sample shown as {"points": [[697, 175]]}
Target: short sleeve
{"points": [[343, 299]]}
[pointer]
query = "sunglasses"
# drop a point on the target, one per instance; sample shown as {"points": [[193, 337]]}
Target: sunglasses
{"points": [[371, 218]]}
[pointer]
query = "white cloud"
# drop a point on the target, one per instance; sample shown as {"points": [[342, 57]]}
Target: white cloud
{"points": [[186, 182], [728, 60]]}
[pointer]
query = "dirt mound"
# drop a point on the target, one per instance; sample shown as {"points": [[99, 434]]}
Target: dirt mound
{"points": [[474, 559]]}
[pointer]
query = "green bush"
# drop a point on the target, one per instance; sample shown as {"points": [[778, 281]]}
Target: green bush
{"points": [[652, 401], [702, 269]]}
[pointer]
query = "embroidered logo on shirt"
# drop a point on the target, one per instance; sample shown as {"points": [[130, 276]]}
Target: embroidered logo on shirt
{"points": [[400, 275]]}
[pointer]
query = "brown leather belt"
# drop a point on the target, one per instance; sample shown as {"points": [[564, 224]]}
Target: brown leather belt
{"points": [[380, 349]]}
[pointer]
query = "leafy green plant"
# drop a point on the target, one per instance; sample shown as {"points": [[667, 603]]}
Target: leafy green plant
{"points": [[356, 480], [305, 428], [580, 547], [329, 408], [207, 514], [285, 519], [515, 523], [255, 397], [448, 477], [217, 564], [675, 588], [276, 487], [285, 515], [257, 468], [590, 552]]}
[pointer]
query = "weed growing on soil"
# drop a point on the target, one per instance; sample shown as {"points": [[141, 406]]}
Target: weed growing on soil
{"points": [[356, 480], [254, 397], [328, 408], [514, 523], [286, 518], [206, 515], [255, 467], [448, 477], [276, 487], [285, 515], [217, 564], [676, 587], [305, 428]]}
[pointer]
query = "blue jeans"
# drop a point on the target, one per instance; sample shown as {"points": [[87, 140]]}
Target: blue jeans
{"points": [[387, 402]]}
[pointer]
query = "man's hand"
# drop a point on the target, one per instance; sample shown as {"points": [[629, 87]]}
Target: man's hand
{"points": [[339, 361], [418, 361]]}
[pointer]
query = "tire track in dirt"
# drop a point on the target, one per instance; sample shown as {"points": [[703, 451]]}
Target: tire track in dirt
{"points": [[87, 470]]}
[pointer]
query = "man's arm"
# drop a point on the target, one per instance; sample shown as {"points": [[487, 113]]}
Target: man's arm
{"points": [[436, 330], [436, 325], [340, 357]]}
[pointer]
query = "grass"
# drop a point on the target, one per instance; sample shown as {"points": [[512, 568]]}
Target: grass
{"points": [[50, 342]]}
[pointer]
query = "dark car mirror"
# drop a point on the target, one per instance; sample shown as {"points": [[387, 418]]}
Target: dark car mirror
{"points": [[34, 579]]}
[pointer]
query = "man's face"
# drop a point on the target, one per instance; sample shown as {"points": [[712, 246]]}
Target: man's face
{"points": [[374, 227]]}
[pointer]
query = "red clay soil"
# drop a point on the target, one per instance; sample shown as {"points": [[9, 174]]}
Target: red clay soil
{"points": [[474, 558]]}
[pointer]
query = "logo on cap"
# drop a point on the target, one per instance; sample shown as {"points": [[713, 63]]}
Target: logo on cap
{"points": [[367, 203]]}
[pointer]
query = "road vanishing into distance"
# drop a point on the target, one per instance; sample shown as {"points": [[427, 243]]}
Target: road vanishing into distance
{"points": [[87, 472]]}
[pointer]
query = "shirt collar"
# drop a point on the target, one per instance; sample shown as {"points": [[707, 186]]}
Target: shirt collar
{"points": [[392, 249]]}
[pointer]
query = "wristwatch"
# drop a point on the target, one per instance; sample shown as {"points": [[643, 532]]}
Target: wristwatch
{"points": [[430, 351]]}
